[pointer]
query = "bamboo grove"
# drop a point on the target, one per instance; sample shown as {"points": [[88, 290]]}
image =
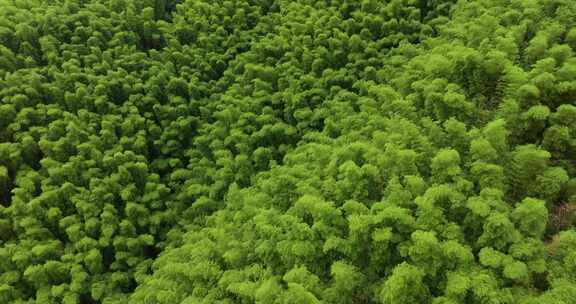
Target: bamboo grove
{"points": [[287, 151]]}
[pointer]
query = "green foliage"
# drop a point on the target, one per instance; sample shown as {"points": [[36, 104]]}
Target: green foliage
{"points": [[274, 151], [405, 285]]}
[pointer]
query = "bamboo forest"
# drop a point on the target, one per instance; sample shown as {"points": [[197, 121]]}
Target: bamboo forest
{"points": [[288, 151]]}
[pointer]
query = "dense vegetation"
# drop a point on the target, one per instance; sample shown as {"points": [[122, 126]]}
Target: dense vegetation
{"points": [[287, 151]]}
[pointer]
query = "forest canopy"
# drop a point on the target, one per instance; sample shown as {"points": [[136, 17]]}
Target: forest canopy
{"points": [[287, 151]]}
